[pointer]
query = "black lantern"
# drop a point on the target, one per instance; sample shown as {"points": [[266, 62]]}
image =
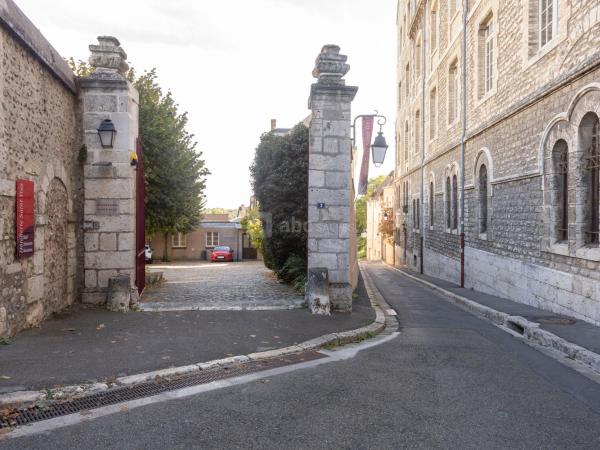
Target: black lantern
{"points": [[107, 132], [379, 148]]}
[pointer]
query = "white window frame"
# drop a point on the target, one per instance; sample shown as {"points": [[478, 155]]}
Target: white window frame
{"points": [[211, 242], [546, 26], [418, 59], [453, 87], [454, 6], [179, 240], [488, 70], [435, 29], [433, 113], [417, 128]]}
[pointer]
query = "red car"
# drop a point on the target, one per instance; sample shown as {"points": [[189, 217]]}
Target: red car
{"points": [[224, 254]]}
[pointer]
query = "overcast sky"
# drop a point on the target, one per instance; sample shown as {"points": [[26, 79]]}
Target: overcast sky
{"points": [[235, 64]]}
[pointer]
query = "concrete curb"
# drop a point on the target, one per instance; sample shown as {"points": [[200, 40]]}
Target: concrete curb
{"points": [[517, 324], [159, 307], [28, 398]]}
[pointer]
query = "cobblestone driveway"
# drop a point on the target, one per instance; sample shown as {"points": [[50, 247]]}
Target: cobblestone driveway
{"points": [[219, 286]]}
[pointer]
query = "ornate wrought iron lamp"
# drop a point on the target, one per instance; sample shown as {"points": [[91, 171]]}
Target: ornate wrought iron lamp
{"points": [[107, 133]]}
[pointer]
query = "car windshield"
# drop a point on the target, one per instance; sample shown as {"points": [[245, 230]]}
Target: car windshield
{"points": [[221, 249]]}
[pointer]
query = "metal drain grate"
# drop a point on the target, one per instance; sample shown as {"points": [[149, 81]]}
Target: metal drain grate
{"points": [[554, 320], [18, 417]]}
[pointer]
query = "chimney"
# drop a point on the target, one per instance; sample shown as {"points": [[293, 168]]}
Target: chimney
{"points": [[273, 124]]}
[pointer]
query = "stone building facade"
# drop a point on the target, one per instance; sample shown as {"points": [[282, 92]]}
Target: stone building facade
{"points": [[527, 81], [42, 137], [379, 245], [214, 230]]}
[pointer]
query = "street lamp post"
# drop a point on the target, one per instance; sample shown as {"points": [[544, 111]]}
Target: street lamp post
{"points": [[379, 147]]}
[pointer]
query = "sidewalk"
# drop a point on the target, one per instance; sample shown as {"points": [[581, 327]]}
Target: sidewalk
{"points": [[90, 345], [572, 330]]}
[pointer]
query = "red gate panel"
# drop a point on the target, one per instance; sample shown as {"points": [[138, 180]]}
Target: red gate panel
{"points": [[140, 221]]}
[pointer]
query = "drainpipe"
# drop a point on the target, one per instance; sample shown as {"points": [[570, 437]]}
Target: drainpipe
{"points": [[462, 143], [423, 87]]}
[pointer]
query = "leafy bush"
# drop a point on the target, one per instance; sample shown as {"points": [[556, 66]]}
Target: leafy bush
{"points": [[362, 247], [293, 268], [280, 182]]}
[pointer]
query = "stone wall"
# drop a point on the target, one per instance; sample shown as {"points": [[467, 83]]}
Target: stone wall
{"points": [[40, 138], [539, 95]]}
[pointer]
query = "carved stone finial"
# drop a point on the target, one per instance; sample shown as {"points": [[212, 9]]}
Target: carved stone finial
{"points": [[108, 58], [330, 66]]}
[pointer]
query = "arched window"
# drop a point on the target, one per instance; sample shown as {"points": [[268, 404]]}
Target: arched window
{"points": [[454, 202], [448, 205], [483, 199], [431, 204], [560, 161], [589, 140], [414, 210]]}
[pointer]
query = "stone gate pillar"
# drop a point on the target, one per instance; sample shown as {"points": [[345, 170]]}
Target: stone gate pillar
{"points": [[331, 235], [109, 185]]}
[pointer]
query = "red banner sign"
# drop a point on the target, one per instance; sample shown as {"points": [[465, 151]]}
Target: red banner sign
{"points": [[25, 218], [367, 134]]}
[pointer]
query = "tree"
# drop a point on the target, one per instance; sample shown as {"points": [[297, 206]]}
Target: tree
{"points": [[280, 182], [232, 213], [361, 204], [252, 225], [80, 68], [174, 171]]}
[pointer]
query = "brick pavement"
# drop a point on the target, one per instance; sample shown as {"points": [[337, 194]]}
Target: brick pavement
{"points": [[218, 286]]}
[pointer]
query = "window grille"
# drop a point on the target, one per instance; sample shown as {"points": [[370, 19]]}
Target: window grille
{"points": [[592, 165]]}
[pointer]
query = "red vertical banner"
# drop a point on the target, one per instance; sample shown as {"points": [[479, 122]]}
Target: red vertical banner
{"points": [[367, 134], [25, 218]]}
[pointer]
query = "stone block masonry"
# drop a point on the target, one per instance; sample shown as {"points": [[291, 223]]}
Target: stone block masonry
{"points": [[541, 97], [41, 135], [330, 187], [84, 210], [109, 178]]}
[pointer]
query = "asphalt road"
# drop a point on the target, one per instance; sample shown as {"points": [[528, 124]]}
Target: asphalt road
{"points": [[449, 380]]}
